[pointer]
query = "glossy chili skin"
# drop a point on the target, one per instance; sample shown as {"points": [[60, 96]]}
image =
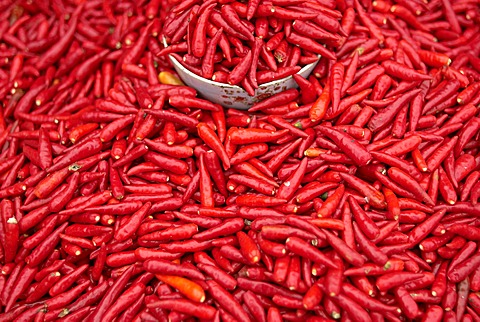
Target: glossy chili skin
{"points": [[125, 193]]}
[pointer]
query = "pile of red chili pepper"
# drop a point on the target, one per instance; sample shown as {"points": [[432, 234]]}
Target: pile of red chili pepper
{"points": [[127, 197], [271, 40]]}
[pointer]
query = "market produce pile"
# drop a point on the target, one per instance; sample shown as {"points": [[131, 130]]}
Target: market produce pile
{"points": [[125, 196]]}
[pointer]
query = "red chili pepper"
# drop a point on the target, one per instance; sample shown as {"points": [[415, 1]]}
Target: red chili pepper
{"points": [[336, 82], [208, 59], [44, 150], [82, 151], [112, 294], [132, 224], [241, 69], [11, 231], [246, 136], [460, 272], [120, 208], [228, 227], [331, 203], [351, 307], [280, 269], [373, 29], [182, 101], [279, 122], [464, 165], [406, 302], [349, 254], [382, 85], [392, 280], [43, 287], [367, 226], [384, 117], [233, 19], [451, 17], [254, 183], [375, 197], [7, 164], [347, 102], [227, 301], [227, 281], [158, 266], [309, 44], [47, 185], [441, 154], [24, 280], [163, 161], [268, 76], [275, 162], [350, 73], [248, 151], [288, 188], [248, 247], [353, 149], [56, 51], [66, 281], [405, 180], [255, 306], [262, 288], [112, 129], [466, 134], [201, 311], [444, 93], [212, 140], [473, 300], [421, 231], [367, 80], [62, 199], [48, 227], [304, 249], [470, 182], [446, 188]]}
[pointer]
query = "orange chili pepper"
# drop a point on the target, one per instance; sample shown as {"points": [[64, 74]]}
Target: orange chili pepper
{"points": [[188, 288]]}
